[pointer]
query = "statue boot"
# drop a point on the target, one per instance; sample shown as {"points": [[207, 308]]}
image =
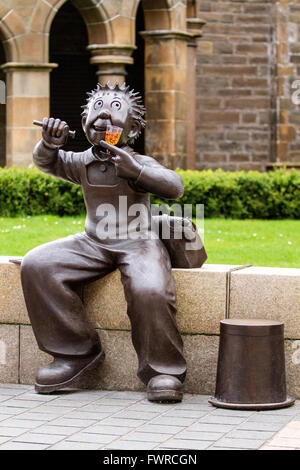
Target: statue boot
{"points": [[164, 388], [63, 372]]}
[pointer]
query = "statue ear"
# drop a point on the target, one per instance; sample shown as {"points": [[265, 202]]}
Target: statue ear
{"points": [[134, 132], [83, 121]]}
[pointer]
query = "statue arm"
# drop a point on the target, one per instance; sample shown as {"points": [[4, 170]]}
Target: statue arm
{"points": [[144, 173], [58, 163], [156, 179]]}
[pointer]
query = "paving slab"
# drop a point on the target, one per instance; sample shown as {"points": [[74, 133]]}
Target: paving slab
{"points": [[277, 448], [86, 415], [247, 434], [249, 444], [6, 431], [286, 442], [288, 437], [66, 445], [109, 430], [179, 413], [93, 438], [39, 416], [257, 426], [137, 415], [78, 422], [22, 423], [208, 428], [10, 410], [12, 445], [216, 419], [187, 444], [36, 438], [116, 421], [147, 437], [174, 421], [199, 435], [56, 430], [160, 428], [134, 445], [69, 422]]}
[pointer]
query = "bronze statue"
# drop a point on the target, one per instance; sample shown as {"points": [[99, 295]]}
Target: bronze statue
{"points": [[53, 273]]}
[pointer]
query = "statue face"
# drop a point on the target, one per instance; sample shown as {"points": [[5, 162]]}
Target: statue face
{"points": [[107, 108]]}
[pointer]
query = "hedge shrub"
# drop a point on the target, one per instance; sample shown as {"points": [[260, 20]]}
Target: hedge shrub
{"points": [[244, 195], [239, 195], [31, 192]]}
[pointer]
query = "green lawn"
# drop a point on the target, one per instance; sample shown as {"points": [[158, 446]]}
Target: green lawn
{"points": [[257, 242]]}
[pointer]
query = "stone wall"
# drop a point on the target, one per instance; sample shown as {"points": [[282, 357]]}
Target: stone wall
{"points": [[235, 85]]}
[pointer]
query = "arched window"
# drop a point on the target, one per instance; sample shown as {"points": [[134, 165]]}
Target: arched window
{"points": [[74, 76]]}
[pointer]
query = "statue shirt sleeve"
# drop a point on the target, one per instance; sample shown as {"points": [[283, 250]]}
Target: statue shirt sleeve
{"points": [[64, 165], [157, 179]]}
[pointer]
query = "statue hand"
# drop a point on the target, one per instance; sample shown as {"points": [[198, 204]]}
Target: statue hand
{"points": [[125, 164], [55, 132]]}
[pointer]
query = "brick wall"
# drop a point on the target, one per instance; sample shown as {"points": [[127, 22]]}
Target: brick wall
{"points": [[236, 85]]}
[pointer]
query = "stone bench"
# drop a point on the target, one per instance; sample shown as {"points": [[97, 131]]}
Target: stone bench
{"points": [[204, 297]]}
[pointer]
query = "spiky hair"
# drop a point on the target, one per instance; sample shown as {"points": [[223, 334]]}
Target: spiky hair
{"points": [[134, 101]]}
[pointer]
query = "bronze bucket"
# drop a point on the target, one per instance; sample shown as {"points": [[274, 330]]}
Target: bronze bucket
{"points": [[251, 366]]}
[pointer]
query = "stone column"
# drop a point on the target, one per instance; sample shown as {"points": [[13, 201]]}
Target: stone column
{"points": [[194, 26], [287, 69], [27, 99], [165, 95], [111, 60]]}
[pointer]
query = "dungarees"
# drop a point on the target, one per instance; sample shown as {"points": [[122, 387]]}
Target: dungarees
{"points": [[52, 276]]}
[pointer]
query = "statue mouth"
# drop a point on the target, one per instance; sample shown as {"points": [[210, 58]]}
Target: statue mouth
{"points": [[99, 128]]}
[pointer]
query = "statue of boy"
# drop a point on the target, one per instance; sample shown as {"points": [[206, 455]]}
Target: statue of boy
{"points": [[52, 273]]}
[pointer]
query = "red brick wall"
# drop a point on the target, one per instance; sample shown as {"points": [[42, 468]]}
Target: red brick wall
{"points": [[236, 85]]}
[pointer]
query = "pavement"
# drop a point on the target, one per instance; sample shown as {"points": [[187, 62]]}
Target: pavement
{"points": [[106, 420]]}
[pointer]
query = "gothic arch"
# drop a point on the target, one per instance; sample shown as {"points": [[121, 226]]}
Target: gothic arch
{"points": [[92, 12], [162, 14], [11, 26]]}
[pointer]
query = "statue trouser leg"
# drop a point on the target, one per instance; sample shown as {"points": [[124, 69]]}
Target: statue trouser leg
{"points": [[52, 275], [150, 293]]}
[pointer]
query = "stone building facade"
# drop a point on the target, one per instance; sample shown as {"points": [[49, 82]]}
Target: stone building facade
{"points": [[34, 33], [247, 62], [220, 100]]}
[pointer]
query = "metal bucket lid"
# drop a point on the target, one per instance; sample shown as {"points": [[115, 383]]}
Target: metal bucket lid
{"points": [[251, 327]]}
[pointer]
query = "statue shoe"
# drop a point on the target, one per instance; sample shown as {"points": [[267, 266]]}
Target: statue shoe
{"points": [[164, 388], [63, 372]]}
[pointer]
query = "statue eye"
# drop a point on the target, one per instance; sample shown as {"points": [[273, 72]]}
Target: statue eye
{"points": [[116, 105], [98, 104]]}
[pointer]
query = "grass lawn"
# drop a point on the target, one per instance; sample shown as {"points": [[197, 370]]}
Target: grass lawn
{"points": [[257, 242]]}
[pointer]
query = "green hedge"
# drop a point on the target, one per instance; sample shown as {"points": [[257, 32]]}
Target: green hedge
{"points": [[31, 192], [244, 195], [240, 195]]}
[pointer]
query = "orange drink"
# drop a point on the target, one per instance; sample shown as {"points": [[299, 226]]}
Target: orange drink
{"points": [[113, 134]]}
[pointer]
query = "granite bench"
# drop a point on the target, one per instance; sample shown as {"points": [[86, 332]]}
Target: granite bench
{"points": [[204, 297]]}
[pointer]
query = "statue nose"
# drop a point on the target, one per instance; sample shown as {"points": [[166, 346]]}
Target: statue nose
{"points": [[104, 114]]}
